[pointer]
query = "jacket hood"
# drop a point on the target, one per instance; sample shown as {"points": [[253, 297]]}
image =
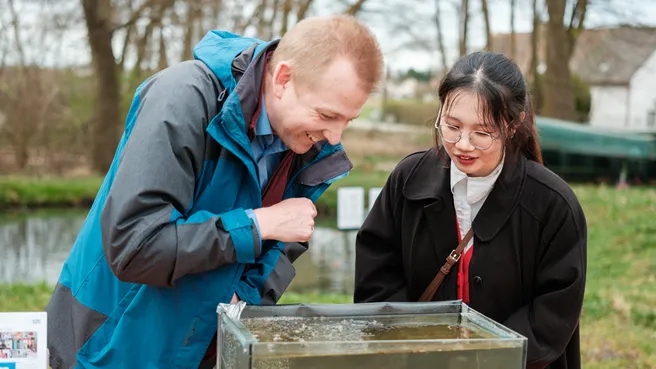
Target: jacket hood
{"points": [[217, 49]]}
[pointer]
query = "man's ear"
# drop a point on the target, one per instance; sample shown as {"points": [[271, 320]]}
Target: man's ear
{"points": [[282, 75]]}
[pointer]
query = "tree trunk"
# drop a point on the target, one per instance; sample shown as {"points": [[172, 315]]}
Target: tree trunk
{"points": [[488, 32], [126, 41], [576, 23], [513, 35], [261, 20], [274, 15], [21, 152], [464, 20], [125, 48], [163, 60], [303, 9], [17, 31], [105, 131], [187, 52], [558, 92], [286, 10], [142, 51], [440, 36], [144, 42], [533, 74], [215, 11], [355, 8]]}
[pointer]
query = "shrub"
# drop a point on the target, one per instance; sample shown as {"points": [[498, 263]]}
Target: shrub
{"points": [[410, 112]]}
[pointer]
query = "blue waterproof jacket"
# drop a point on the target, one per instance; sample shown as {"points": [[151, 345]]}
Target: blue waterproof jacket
{"points": [[168, 237]]}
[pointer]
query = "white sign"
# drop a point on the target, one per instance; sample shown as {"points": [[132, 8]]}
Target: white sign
{"points": [[350, 207], [373, 195], [23, 340]]}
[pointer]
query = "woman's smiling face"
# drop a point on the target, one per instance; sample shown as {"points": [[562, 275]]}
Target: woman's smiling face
{"points": [[479, 149]]}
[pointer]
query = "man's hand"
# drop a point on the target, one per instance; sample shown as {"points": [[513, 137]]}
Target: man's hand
{"points": [[290, 220]]}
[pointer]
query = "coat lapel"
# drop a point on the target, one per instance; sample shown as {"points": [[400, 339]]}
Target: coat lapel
{"points": [[428, 185], [502, 200]]}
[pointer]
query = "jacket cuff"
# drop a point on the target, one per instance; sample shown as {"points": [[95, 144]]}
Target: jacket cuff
{"points": [[247, 293], [244, 235], [251, 214]]}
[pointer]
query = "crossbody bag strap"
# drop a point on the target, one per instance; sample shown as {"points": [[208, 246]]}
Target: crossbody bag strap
{"points": [[451, 260]]}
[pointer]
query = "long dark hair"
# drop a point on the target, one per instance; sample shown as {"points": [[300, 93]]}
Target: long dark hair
{"points": [[503, 96]]}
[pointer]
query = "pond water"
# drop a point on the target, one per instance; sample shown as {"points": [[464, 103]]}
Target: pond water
{"points": [[34, 246]]}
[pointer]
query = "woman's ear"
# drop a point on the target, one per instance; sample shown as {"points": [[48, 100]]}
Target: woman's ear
{"points": [[513, 128]]}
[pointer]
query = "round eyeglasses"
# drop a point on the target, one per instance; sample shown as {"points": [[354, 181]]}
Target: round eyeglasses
{"points": [[451, 134]]}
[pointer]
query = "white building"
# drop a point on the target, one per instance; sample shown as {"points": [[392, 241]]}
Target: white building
{"points": [[619, 64]]}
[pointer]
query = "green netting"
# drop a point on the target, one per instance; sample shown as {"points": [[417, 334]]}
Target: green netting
{"points": [[574, 138]]}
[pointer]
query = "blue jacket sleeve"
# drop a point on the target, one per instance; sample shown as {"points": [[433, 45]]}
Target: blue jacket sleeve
{"points": [[146, 236]]}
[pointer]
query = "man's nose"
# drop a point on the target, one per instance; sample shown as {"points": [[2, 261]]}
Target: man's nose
{"points": [[333, 136]]}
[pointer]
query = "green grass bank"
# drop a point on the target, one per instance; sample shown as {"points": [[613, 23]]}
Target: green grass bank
{"points": [[619, 316]]}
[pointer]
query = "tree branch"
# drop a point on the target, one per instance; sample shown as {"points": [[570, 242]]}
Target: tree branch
{"points": [[135, 15], [488, 33], [464, 22], [513, 34], [286, 9], [355, 8], [303, 9], [578, 15], [17, 38], [440, 37]]}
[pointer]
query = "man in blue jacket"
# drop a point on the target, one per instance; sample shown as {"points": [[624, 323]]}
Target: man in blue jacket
{"points": [[210, 195]]}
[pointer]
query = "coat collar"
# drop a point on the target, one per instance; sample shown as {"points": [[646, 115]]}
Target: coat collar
{"points": [[476, 188], [430, 180]]}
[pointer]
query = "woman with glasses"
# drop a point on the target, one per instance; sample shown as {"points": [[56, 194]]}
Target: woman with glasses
{"points": [[480, 219]]}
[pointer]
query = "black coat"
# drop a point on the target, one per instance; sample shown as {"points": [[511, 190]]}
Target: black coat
{"points": [[528, 267]]}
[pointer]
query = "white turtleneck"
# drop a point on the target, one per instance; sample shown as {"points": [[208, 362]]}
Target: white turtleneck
{"points": [[469, 194]]}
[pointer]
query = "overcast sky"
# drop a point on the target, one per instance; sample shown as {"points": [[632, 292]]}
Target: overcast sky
{"points": [[601, 13], [381, 15]]}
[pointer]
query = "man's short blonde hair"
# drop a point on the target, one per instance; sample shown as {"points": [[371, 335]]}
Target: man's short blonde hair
{"points": [[313, 43]]}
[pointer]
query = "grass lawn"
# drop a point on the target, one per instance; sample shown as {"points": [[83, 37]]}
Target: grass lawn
{"points": [[21, 191], [619, 317]]}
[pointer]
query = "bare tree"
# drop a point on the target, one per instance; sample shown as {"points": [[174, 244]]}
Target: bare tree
{"points": [[98, 16], [303, 8], [286, 10], [464, 25], [513, 35], [488, 33], [270, 23], [558, 91], [30, 95], [193, 17], [17, 31], [533, 74], [576, 23], [440, 37], [355, 8]]}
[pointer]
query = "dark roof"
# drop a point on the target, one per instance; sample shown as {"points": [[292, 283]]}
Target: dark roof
{"points": [[612, 56], [601, 56]]}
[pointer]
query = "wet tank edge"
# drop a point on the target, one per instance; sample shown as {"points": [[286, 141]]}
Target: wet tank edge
{"points": [[354, 310]]}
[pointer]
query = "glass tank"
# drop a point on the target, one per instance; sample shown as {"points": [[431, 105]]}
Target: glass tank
{"points": [[446, 335]]}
